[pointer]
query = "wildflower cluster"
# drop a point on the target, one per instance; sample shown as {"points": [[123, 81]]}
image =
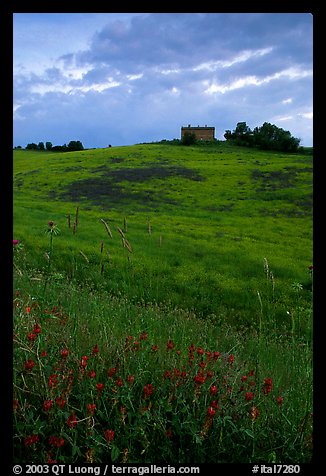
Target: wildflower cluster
{"points": [[125, 405]]}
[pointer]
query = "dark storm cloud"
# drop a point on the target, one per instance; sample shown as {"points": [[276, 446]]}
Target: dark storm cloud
{"points": [[163, 70]]}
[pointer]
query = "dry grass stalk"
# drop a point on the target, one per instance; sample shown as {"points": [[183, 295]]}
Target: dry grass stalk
{"points": [[107, 227], [121, 232], [127, 245], [84, 256], [76, 219]]}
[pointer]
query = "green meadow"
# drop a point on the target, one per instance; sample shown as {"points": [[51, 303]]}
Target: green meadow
{"points": [[205, 245]]}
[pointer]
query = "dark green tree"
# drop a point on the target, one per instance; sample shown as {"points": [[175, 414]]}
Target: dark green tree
{"points": [[75, 145], [189, 138], [228, 135], [271, 137], [31, 146], [48, 145], [268, 137]]}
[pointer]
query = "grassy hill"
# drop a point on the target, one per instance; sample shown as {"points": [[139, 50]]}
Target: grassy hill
{"points": [[204, 244], [214, 213]]}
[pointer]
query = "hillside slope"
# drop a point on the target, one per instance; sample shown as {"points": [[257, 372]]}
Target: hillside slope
{"points": [[201, 222]]}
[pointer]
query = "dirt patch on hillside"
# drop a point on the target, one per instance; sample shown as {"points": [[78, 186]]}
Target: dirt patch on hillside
{"points": [[278, 182], [112, 187], [277, 179]]}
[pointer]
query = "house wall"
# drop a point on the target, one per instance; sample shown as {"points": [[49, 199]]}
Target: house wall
{"points": [[201, 133]]}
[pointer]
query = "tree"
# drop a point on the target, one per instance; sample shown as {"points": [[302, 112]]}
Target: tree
{"points": [[271, 137], [31, 146], [41, 146], [268, 137], [188, 138], [75, 145], [228, 135], [48, 145]]}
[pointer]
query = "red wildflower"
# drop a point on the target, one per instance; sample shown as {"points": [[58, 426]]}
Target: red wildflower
{"points": [[47, 405], [170, 344], [279, 400], [56, 441], [143, 336], [268, 385], [43, 353], [231, 359], [200, 351], [244, 378], [100, 386], [177, 372], [83, 361], [148, 390], [211, 412], [154, 348], [168, 433], [31, 336], [29, 364], [37, 329], [72, 420], [30, 440], [209, 374], [28, 310], [95, 350], [109, 435], [64, 353], [249, 396], [251, 373], [111, 371], [199, 378], [131, 379], [119, 382], [209, 355], [213, 390], [167, 374], [53, 379], [60, 401], [215, 404], [92, 374], [91, 408], [15, 242], [216, 355]]}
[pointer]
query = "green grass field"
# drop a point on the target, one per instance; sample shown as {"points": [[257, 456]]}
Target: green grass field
{"points": [[210, 245]]}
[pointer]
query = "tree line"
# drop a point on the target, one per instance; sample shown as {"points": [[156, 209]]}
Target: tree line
{"points": [[268, 137], [73, 145]]}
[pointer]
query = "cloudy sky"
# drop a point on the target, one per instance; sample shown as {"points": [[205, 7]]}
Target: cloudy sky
{"points": [[126, 78]]}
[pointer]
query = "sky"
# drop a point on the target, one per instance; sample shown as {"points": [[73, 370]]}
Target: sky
{"points": [[127, 78]]}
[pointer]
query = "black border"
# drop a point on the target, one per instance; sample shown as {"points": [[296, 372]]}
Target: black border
{"points": [[6, 131]]}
